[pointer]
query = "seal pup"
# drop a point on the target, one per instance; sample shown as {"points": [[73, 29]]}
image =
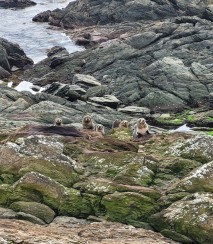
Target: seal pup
{"points": [[58, 122], [88, 123], [100, 128], [140, 128], [124, 124]]}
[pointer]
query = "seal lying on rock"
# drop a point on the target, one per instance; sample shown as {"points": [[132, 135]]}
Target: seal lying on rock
{"points": [[45, 130], [140, 128], [88, 123]]}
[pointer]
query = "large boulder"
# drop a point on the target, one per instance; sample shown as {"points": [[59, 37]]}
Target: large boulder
{"points": [[11, 55], [191, 217], [94, 12], [16, 3]]}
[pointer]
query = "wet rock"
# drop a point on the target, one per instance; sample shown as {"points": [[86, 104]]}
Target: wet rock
{"points": [[55, 50], [82, 41], [42, 17], [16, 3]]}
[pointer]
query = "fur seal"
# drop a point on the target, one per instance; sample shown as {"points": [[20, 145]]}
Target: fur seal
{"points": [[58, 122], [88, 123], [140, 128], [124, 124], [116, 123], [100, 128]]}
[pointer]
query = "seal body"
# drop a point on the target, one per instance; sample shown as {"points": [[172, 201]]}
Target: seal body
{"points": [[100, 128], [88, 123], [124, 124], [140, 128], [58, 122]]}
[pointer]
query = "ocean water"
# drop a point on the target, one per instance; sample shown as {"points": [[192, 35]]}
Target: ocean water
{"points": [[16, 25]]}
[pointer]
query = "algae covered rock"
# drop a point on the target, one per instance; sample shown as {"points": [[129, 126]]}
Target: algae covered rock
{"points": [[50, 189], [135, 174], [191, 216], [38, 210], [39, 154], [128, 206], [198, 148], [199, 180]]}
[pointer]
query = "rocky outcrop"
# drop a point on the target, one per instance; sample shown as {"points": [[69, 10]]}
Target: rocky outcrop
{"points": [[70, 230], [11, 55], [16, 3], [165, 66], [92, 12]]}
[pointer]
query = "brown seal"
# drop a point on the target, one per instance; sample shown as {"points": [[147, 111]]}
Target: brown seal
{"points": [[140, 128], [88, 123]]}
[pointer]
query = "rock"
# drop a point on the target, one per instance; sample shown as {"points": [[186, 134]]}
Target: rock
{"points": [[42, 17], [82, 41], [6, 213], [106, 100], [30, 217], [38, 210], [93, 13], [197, 147], [51, 190], [71, 92], [85, 81], [49, 161], [12, 55], [55, 50], [108, 232], [69, 221], [128, 206], [102, 186], [199, 180], [134, 110], [211, 100], [4, 73], [16, 3], [5, 192], [190, 217]]}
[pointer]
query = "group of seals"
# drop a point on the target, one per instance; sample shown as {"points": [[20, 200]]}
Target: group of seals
{"points": [[88, 124], [140, 129]]}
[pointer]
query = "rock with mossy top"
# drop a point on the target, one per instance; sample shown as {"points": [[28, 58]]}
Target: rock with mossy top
{"points": [[191, 217], [198, 148], [128, 206]]}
